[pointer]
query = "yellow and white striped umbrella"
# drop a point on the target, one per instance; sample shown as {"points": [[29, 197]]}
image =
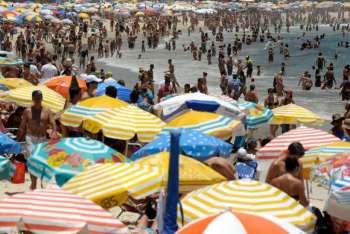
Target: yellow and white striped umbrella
{"points": [[124, 123], [74, 116], [23, 97], [294, 114], [245, 196], [110, 184]]}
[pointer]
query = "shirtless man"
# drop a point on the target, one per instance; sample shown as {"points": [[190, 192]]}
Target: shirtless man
{"points": [[28, 75], [36, 120], [278, 167]]}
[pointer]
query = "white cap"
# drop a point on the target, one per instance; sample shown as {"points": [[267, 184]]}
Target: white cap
{"points": [[92, 78], [241, 152]]}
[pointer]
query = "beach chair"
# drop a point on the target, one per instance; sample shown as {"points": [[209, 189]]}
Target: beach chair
{"points": [[246, 170]]}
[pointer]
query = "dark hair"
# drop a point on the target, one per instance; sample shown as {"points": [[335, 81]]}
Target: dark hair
{"points": [[291, 164], [134, 96], [252, 87], [296, 148], [270, 90], [37, 93], [111, 91], [121, 82]]}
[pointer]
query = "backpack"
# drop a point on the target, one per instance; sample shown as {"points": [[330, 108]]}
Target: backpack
{"points": [[324, 224]]}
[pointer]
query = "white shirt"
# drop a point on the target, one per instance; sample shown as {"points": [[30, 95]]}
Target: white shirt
{"points": [[48, 71]]}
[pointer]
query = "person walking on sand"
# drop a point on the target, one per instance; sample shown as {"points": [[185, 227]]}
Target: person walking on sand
{"points": [[36, 120]]}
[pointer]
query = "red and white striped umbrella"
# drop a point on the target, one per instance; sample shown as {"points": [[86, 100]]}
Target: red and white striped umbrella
{"points": [[230, 222], [55, 211], [308, 137]]}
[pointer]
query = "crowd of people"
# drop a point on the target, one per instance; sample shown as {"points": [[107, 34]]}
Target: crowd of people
{"points": [[50, 50]]}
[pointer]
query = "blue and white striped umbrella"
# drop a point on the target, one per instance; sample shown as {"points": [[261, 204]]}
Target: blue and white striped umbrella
{"points": [[122, 92], [8, 145], [340, 183], [256, 114], [6, 168]]}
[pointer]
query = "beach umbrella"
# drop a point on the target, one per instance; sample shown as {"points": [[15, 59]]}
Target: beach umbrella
{"points": [[192, 143], [6, 168], [23, 97], [8, 145], [61, 84], [6, 62], [197, 101], [125, 123], [308, 137], [230, 222], [341, 183], [140, 14], [256, 114], [67, 157], [110, 185], [13, 83], [323, 153], [33, 18], [123, 93], [67, 21], [55, 211], [83, 15], [74, 116], [193, 173], [206, 122], [294, 114], [3, 88], [46, 12], [246, 196], [336, 168], [71, 14]]}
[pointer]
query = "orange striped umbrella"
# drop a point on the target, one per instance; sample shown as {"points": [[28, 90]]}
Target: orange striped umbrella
{"points": [[61, 84], [239, 223]]}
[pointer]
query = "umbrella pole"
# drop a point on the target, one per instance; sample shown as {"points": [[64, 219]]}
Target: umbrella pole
{"points": [[172, 199]]}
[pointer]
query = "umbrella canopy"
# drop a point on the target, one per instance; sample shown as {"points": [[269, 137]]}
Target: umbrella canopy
{"points": [[206, 122], [341, 183], [8, 145], [122, 92], [110, 184], [23, 97], [6, 168], [325, 152], [308, 137], [67, 157], [61, 84], [13, 83], [5, 62], [256, 114], [294, 114], [192, 143], [75, 115], [336, 168], [55, 211], [197, 101], [83, 15], [230, 222], [33, 18], [245, 196], [125, 123], [67, 21], [193, 174]]}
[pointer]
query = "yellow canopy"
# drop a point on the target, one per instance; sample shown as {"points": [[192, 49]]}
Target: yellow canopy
{"points": [[13, 83], [83, 15], [74, 116], [23, 97], [206, 122], [124, 123], [110, 184], [193, 173], [294, 114]]}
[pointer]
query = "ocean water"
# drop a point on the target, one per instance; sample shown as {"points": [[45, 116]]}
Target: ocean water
{"points": [[323, 102]]}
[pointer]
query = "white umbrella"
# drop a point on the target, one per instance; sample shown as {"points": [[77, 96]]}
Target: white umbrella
{"points": [[67, 21]]}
